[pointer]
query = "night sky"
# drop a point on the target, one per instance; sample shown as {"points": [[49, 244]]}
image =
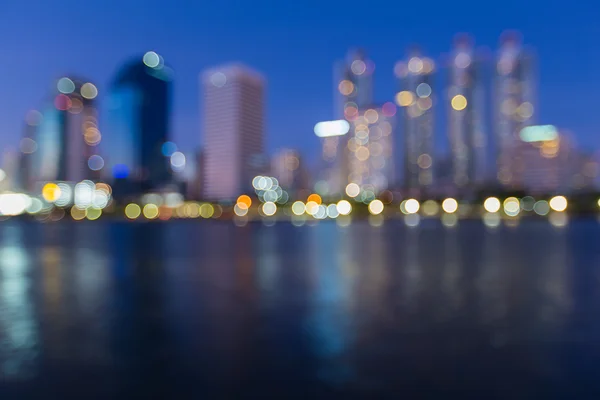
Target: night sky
{"points": [[294, 44]]}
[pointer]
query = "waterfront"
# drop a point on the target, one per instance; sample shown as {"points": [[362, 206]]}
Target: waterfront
{"points": [[187, 308]]}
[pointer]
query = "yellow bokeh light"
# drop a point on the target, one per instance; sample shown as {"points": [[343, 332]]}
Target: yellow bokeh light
{"points": [[459, 102], [491, 205], [404, 98], [352, 190], [311, 207], [93, 213], [430, 208], [51, 192], [207, 210], [133, 211], [558, 203], [315, 198], [245, 199], [376, 207], [450, 205], [512, 206], [77, 214], [150, 211]]}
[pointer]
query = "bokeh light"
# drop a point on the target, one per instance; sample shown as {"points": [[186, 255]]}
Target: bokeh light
{"points": [[150, 211], [133, 211], [459, 102], [411, 206], [344, 207], [512, 206], [89, 91], [491, 205], [269, 208], [558, 203], [450, 205], [376, 207], [51, 192]]}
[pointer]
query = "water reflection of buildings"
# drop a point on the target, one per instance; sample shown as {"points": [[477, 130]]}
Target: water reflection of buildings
{"points": [[19, 347]]}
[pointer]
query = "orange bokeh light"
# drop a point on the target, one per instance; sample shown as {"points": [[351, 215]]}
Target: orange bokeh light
{"points": [[314, 197]]}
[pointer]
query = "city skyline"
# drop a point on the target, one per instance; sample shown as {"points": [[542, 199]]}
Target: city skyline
{"points": [[311, 100]]}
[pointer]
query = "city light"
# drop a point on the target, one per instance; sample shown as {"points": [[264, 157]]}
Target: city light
{"points": [[151, 59], [14, 203], [298, 208], [65, 86], [411, 206], [541, 207], [539, 133], [512, 206], [459, 102], [132, 211], [51, 192], [89, 91], [332, 128], [314, 198], [404, 98], [344, 207], [558, 203], [150, 211], [352, 190], [376, 207], [430, 208], [269, 208], [450, 205], [492, 205]]}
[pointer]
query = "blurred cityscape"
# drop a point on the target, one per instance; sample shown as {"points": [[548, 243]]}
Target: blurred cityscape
{"points": [[501, 158]]}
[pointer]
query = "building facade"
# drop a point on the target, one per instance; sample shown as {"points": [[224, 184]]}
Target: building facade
{"points": [[416, 123], [515, 99], [233, 99], [137, 125], [465, 123]]}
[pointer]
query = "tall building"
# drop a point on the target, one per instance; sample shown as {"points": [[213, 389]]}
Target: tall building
{"points": [[548, 159], [60, 144], [138, 110], [368, 160], [466, 127], [286, 166], [514, 107], [233, 130], [353, 92], [416, 119], [28, 147]]}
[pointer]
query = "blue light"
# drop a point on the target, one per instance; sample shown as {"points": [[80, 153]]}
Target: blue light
{"points": [[168, 148], [120, 171]]}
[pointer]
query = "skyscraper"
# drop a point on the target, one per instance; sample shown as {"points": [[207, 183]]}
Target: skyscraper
{"points": [[137, 125], [353, 93], [233, 130], [514, 107], [60, 145], [368, 153], [465, 128], [286, 166], [416, 120]]}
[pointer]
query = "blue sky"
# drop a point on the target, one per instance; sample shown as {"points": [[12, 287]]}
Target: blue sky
{"points": [[294, 44]]}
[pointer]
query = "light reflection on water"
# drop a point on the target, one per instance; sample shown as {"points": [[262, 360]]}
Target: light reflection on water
{"points": [[277, 306]]}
